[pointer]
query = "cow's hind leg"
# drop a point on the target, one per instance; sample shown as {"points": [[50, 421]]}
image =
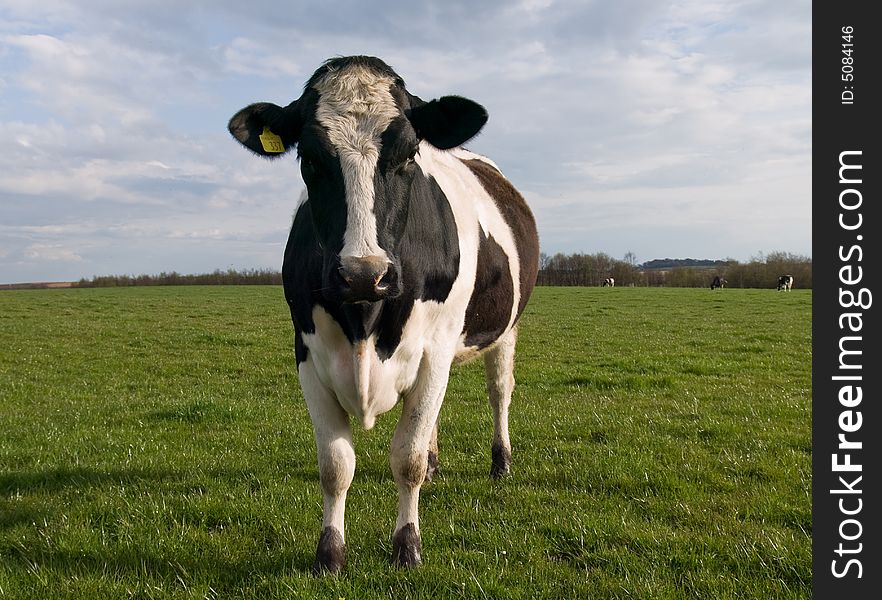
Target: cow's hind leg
{"points": [[499, 366], [336, 461]]}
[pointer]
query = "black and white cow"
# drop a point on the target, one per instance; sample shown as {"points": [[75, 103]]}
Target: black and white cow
{"points": [[718, 282], [406, 254], [608, 282], [785, 282]]}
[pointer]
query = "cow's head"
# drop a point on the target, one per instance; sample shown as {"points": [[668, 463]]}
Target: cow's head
{"points": [[357, 131]]}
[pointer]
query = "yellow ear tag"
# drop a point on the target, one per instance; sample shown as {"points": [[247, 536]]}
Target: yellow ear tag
{"points": [[271, 142]]}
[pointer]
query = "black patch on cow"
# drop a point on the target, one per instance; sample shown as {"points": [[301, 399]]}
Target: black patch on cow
{"points": [[394, 316], [407, 547], [321, 171], [490, 306], [302, 275], [429, 250], [520, 220], [301, 352], [301, 269]]}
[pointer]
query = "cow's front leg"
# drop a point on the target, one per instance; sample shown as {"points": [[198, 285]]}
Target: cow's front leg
{"points": [[336, 462], [409, 458]]}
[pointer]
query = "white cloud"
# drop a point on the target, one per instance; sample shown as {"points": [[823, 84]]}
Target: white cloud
{"points": [[247, 57], [51, 252]]}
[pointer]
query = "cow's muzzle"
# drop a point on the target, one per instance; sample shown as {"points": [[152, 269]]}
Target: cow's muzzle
{"points": [[367, 278]]}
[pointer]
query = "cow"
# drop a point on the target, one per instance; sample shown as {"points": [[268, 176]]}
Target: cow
{"points": [[718, 282], [785, 282], [608, 282], [407, 253]]}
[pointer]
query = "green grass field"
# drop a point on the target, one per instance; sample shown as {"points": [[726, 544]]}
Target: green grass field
{"points": [[154, 444]]}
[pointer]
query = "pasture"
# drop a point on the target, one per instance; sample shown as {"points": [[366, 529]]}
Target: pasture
{"points": [[154, 444]]}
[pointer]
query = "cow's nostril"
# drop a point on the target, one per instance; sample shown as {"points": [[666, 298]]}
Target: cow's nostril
{"points": [[386, 279]]}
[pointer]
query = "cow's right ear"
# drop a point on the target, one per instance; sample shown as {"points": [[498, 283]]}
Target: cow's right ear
{"points": [[447, 122], [267, 129]]}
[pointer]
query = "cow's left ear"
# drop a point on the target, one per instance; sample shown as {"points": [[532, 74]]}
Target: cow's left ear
{"points": [[447, 122], [267, 129]]}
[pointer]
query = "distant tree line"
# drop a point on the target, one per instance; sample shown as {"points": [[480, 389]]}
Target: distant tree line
{"points": [[761, 271], [585, 270], [670, 263], [217, 277], [560, 269]]}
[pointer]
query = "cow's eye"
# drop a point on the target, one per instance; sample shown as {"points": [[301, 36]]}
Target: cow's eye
{"points": [[410, 160]]}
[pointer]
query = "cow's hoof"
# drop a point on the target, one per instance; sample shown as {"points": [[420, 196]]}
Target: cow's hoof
{"points": [[501, 465], [406, 547], [330, 557], [432, 468]]}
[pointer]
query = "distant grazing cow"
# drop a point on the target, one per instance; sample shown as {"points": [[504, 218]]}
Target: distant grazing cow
{"points": [[718, 282], [785, 282], [406, 254], [608, 282]]}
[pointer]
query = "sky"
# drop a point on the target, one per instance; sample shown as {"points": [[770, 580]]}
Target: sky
{"points": [[659, 129]]}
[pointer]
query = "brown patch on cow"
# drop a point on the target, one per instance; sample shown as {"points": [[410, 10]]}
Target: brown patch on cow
{"points": [[520, 220], [407, 547], [411, 470], [489, 310], [330, 557]]}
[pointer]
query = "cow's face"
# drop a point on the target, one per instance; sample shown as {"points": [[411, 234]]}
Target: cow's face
{"points": [[357, 131]]}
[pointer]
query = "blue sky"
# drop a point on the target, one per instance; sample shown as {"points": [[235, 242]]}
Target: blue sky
{"points": [[666, 129]]}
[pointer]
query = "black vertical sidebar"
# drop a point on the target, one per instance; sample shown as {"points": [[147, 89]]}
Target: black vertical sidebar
{"points": [[846, 366]]}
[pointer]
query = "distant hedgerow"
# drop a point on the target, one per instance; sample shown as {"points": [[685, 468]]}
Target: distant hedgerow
{"points": [[217, 277]]}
